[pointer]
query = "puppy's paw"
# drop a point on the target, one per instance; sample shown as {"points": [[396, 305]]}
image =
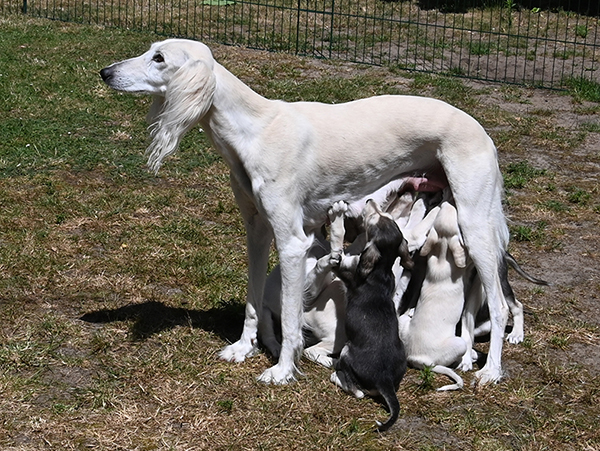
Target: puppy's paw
{"points": [[467, 361], [465, 365], [338, 209], [335, 259], [238, 351], [487, 376], [339, 379], [278, 375], [322, 358], [515, 337]]}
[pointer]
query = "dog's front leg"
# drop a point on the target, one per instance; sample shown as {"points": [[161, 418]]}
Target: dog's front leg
{"points": [[259, 238], [292, 256]]}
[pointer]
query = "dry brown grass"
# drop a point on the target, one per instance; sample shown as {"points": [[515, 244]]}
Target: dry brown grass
{"points": [[117, 289]]}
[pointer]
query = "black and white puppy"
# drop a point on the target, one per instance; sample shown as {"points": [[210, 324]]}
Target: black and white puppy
{"points": [[373, 360]]}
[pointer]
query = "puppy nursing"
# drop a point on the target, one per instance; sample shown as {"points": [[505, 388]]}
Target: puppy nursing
{"points": [[373, 359], [429, 330]]}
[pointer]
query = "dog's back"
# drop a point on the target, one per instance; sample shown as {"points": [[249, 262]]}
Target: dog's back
{"points": [[373, 359]]}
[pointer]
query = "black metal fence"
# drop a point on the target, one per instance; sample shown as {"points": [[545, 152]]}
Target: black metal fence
{"points": [[538, 42]]}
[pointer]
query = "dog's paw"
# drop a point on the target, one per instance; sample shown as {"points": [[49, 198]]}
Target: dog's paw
{"points": [[335, 259], [238, 351], [339, 379], [487, 376], [318, 357], [338, 209], [278, 375], [468, 360], [465, 365], [515, 337]]}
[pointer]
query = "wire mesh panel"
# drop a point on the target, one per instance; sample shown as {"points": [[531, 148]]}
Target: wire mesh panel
{"points": [[539, 42]]}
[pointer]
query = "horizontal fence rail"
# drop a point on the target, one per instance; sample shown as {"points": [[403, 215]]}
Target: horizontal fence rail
{"points": [[498, 40]]}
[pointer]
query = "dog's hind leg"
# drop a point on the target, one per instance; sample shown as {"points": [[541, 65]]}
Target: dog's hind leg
{"points": [[483, 227], [473, 302], [516, 308], [458, 382]]}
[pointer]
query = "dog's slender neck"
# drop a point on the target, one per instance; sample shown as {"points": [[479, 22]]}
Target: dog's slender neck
{"points": [[236, 116]]}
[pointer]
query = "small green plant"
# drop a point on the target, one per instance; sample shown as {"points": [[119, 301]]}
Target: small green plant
{"points": [[480, 48], [518, 174], [592, 127], [509, 4], [354, 427], [530, 234], [523, 233], [581, 31], [578, 196], [427, 377], [559, 341], [226, 405], [582, 88], [554, 205]]}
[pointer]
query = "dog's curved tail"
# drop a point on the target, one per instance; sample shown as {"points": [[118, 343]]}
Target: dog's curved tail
{"points": [[515, 265], [390, 398]]}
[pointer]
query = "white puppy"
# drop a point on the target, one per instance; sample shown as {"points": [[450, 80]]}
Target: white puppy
{"points": [[324, 298], [429, 331], [411, 216]]}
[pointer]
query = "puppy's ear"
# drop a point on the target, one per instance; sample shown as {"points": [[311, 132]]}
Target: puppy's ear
{"points": [[369, 257], [405, 259], [458, 251], [432, 238], [189, 96]]}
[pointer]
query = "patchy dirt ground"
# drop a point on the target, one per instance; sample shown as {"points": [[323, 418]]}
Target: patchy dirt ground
{"points": [[119, 288]]}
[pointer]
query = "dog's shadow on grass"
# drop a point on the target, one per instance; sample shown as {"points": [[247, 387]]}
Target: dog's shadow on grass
{"points": [[152, 317]]}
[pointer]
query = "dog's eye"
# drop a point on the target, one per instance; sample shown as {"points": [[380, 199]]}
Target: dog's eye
{"points": [[158, 58]]}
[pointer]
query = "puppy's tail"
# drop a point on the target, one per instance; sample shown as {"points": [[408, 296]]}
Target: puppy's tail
{"points": [[390, 398], [515, 265]]}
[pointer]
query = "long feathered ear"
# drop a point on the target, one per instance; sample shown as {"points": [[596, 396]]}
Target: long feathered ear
{"points": [[189, 96], [156, 108]]}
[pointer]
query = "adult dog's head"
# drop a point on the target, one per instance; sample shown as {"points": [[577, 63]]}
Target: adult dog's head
{"points": [[179, 74], [384, 240]]}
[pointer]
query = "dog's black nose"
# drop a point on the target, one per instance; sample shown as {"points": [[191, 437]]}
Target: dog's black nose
{"points": [[106, 73]]}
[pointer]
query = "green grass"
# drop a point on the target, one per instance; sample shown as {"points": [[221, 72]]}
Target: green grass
{"points": [[118, 287], [584, 89], [517, 175]]}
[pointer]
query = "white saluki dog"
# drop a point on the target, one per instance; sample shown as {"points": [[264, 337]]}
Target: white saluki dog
{"points": [[290, 162]]}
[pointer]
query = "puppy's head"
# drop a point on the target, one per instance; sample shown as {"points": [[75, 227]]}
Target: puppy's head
{"points": [[384, 239], [446, 232]]}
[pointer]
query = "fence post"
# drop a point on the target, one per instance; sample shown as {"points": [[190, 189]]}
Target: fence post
{"points": [[331, 26], [24, 8], [298, 27]]}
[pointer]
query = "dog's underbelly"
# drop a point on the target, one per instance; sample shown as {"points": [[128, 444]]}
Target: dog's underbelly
{"points": [[315, 208]]}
